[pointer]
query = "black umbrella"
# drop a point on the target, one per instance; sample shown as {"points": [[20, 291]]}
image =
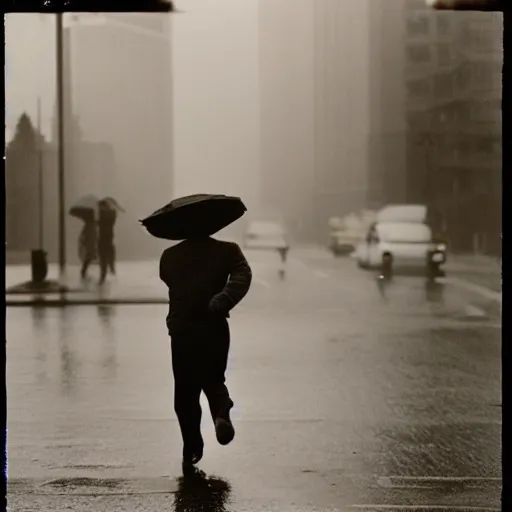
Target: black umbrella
{"points": [[85, 208], [194, 216], [112, 204]]}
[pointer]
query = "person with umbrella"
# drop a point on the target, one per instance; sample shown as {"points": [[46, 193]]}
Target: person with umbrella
{"points": [[206, 279], [108, 208], [85, 209]]}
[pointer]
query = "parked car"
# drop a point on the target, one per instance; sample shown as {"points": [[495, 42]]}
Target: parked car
{"points": [[343, 243], [346, 233], [408, 246], [416, 213], [266, 235]]}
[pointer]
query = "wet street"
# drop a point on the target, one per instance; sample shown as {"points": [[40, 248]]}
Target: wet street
{"points": [[347, 397]]}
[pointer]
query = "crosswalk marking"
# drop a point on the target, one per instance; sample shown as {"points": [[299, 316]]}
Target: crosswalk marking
{"points": [[426, 508], [442, 478], [462, 283]]}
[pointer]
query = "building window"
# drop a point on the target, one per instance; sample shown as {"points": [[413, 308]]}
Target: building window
{"points": [[444, 54], [418, 89], [464, 145], [443, 85], [486, 111], [466, 36], [481, 38], [443, 117], [486, 75], [419, 54], [463, 112], [485, 40], [486, 146], [444, 24], [418, 24], [463, 77], [413, 122], [416, 5]]}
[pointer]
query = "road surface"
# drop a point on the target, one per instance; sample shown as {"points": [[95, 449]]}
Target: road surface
{"points": [[345, 400]]}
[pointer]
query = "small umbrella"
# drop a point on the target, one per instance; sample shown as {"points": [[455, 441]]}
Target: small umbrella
{"points": [[83, 208], [111, 203], [194, 216]]}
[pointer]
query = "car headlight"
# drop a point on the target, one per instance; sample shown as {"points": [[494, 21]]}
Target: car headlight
{"points": [[437, 257], [441, 247]]}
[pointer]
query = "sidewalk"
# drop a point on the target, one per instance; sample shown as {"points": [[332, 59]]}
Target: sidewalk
{"points": [[479, 270], [135, 283]]}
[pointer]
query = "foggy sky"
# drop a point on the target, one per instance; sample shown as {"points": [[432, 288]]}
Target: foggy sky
{"points": [[216, 98], [215, 82], [252, 86], [29, 68]]}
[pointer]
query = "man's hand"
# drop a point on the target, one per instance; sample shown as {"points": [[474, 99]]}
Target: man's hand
{"points": [[217, 306]]}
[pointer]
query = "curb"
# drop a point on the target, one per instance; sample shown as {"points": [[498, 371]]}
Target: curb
{"points": [[62, 303], [484, 292], [485, 303]]}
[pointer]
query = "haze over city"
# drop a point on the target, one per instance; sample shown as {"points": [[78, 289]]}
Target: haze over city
{"points": [[339, 308]]}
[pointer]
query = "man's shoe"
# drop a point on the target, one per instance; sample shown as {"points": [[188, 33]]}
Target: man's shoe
{"points": [[224, 430], [191, 457]]}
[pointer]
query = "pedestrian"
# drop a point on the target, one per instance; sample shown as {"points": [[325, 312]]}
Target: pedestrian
{"points": [[206, 278], [87, 243], [106, 248]]}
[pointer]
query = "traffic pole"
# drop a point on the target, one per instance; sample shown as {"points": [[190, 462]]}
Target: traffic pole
{"points": [[60, 145]]}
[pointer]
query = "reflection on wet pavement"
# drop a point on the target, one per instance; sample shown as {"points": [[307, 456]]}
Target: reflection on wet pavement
{"points": [[200, 493]]}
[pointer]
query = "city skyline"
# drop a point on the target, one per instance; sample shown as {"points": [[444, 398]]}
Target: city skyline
{"points": [[334, 111]]}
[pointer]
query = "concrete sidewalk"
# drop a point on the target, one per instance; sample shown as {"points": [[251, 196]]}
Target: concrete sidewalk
{"points": [[477, 269], [135, 283]]}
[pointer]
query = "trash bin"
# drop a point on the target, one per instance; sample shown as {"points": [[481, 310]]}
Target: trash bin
{"points": [[39, 265]]}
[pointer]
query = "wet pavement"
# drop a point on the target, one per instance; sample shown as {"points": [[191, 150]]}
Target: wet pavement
{"points": [[138, 282], [346, 398]]}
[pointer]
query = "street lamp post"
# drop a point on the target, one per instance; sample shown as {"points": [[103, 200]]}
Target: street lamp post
{"points": [[40, 148], [76, 6], [60, 144]]}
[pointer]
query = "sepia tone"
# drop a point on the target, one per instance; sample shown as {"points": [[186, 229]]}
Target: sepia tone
{"points": [[361, 141]]}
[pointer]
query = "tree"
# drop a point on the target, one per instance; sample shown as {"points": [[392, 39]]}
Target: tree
{"points": [[26, 138], [22, 161]]}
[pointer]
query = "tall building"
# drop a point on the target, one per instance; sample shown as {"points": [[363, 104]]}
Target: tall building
{"points": [[23, 165], [119, 71], [287, 113], [315, 75], [453, 76], [387, 131]]}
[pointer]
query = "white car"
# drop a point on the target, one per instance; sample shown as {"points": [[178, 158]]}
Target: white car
{"points": [[415, 213], [345, 233], [343, 242], [266, 235], [409, 245]]}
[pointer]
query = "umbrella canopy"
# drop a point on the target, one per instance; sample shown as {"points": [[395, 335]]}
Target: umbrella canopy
{"points": [[194, 216], [85, 207], [467, 5], [112, 204]]}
